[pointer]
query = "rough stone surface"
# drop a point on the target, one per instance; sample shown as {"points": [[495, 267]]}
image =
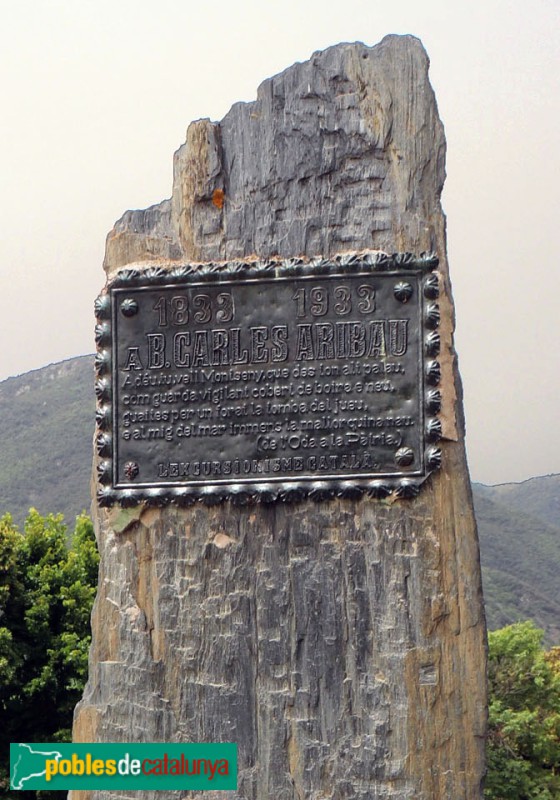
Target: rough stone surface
{"points": [[341, 644]]}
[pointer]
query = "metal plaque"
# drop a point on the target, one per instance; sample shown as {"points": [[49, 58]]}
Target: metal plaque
{"points": [[268, 380]]}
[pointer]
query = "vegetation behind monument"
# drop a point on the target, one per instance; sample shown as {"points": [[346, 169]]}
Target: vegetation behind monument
{"points": [[46, 594], [523, 749]]}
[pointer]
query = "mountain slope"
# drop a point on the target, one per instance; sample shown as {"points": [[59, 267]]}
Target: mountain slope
{"points": [[520, 556], [539, 497], [46, 432]]}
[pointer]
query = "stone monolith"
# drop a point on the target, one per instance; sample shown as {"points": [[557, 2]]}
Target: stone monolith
{"points": [[340, 643]]}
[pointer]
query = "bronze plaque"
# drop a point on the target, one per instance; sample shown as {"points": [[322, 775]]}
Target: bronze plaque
{"points": [[269, 380]]}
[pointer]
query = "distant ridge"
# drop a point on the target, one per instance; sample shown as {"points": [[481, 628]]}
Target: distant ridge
{"points": [[539, 496], [46, 433]]}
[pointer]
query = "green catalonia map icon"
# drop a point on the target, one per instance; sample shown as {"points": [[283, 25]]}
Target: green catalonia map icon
{"points": [[28, 765]]}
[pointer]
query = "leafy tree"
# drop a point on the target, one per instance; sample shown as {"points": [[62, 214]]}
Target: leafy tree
{"points": [[523, 752], [47, 590], [553, 659]]}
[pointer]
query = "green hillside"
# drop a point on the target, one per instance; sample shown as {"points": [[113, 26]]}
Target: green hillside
{"points": [[539, 497], [520, 556], [46, 430]]}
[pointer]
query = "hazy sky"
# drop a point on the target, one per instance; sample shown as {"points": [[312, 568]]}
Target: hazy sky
{"points": [[97, 95]]}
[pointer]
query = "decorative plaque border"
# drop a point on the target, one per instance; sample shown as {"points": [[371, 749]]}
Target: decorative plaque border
{"points": [[399, 483]]}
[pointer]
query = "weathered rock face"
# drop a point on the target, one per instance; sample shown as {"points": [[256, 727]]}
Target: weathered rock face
{"points": [[342, 644]]}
